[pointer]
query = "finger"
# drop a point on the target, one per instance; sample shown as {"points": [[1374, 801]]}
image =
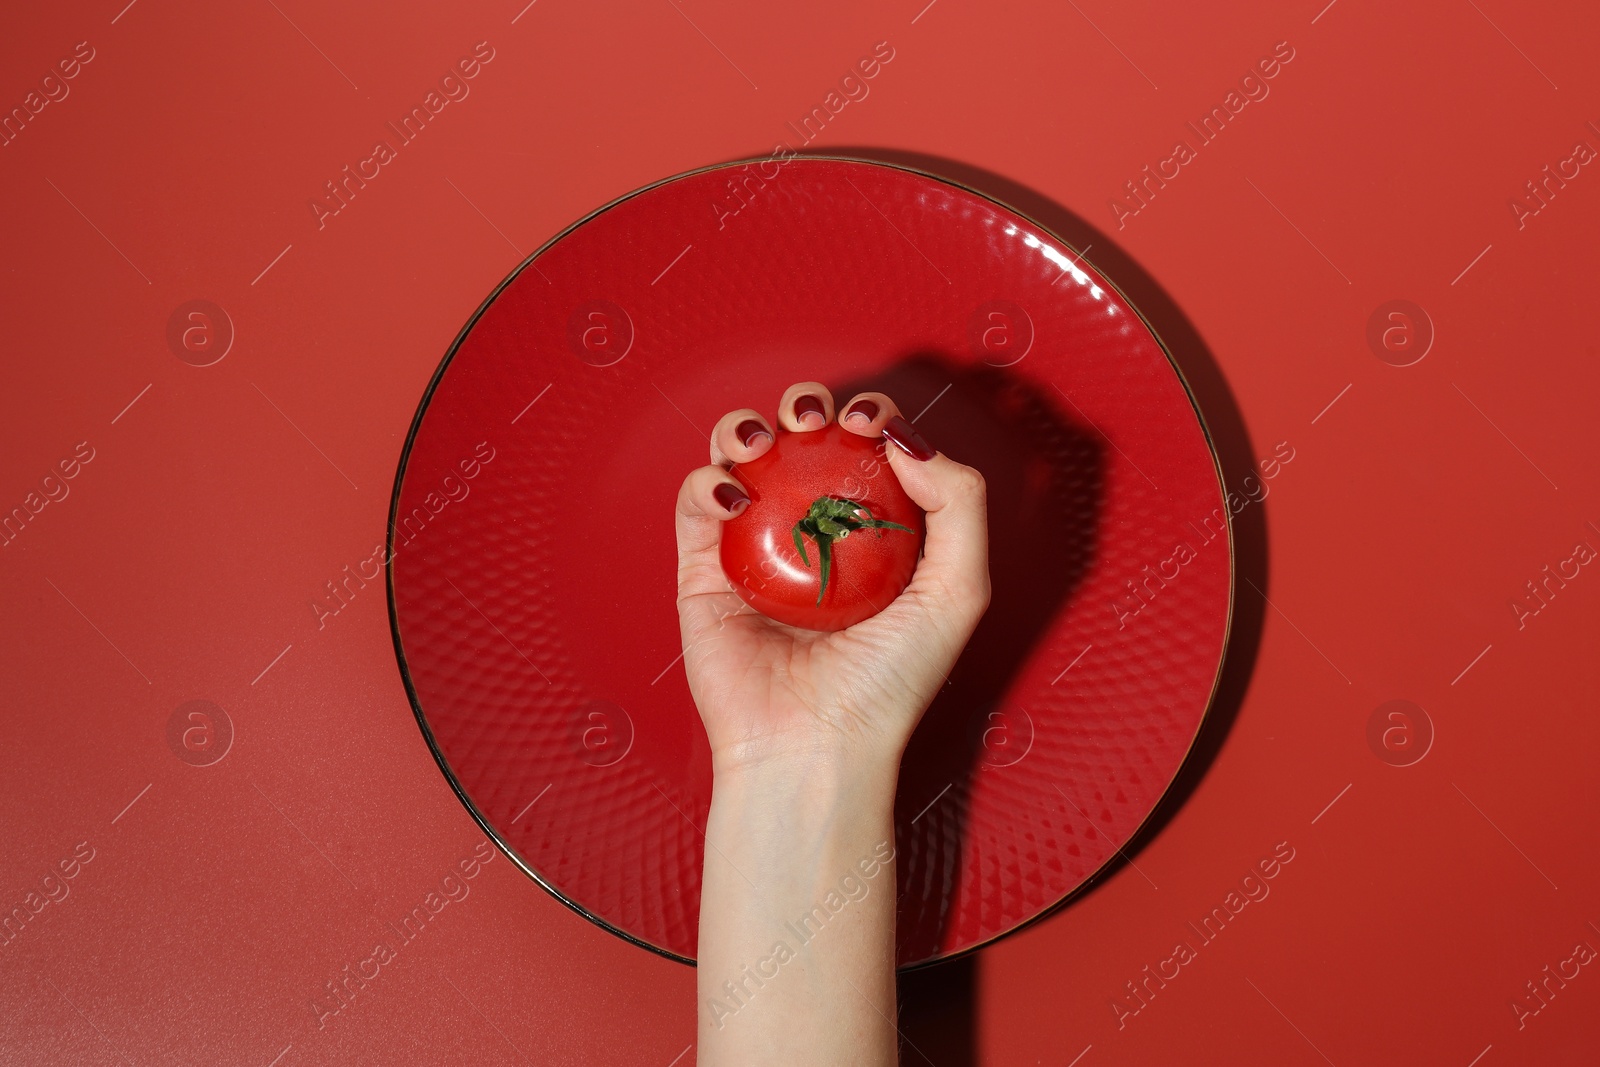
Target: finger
{"points": [[704, 502], [866, 414], [805, 406], [739, 437], [955, 560]]}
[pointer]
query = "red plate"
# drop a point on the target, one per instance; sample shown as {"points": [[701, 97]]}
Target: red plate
{"points": [[532, 571]]}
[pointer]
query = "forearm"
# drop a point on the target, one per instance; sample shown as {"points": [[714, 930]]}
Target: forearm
{"points": [[797, 910]]}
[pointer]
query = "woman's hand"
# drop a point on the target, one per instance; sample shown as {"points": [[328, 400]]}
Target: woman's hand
{"points": [[807, 729], [768, 690]]}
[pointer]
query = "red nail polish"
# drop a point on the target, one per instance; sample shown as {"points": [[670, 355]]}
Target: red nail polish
{"points": [[730, 496], [748, 430], [804, 404], [905, 435], [864, 407]]}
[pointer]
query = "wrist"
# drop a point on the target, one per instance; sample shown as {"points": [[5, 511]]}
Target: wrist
{"points": [[791, 828], [826, 765], [804, 795]]}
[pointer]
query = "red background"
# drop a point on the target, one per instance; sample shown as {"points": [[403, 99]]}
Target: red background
{"points": [[181, 564]]}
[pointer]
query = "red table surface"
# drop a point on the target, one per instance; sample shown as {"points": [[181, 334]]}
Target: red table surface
{"points": [[1438, 910]]}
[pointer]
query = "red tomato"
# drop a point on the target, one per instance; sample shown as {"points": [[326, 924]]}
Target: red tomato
{"points": [[822, 497]]}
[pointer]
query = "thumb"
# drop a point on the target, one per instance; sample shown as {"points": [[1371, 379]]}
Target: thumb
{"points": [[955, 560]]}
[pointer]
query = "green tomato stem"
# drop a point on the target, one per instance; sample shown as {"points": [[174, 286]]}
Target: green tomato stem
{"points": [[831, 518]]}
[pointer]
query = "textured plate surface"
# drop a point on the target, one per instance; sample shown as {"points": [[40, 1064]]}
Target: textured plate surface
{"points": [[532, 553]]}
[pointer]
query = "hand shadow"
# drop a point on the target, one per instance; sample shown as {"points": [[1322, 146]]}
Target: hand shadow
{"points": [[1045, 478], [938, 1002]]}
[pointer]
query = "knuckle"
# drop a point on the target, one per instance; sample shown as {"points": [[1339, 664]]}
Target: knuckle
{"points": [[970, 483], [969, 591]]}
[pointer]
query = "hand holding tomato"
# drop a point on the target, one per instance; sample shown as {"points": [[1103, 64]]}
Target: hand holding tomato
{"points": [[767, 688]]}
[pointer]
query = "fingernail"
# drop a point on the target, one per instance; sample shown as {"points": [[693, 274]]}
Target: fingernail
{"points": [[750, 429], [861, 412], [901, 432], [806, 404], [730, 496]]}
